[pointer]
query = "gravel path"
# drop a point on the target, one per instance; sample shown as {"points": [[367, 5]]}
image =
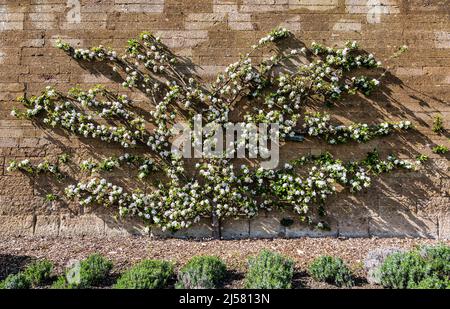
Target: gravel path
{"points": [[17, 251]]}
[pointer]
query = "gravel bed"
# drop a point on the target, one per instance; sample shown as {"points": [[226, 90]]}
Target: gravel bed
{"points": [[15, 252]]}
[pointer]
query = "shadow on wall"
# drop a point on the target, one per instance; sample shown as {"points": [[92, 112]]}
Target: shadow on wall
{"points": [[398, 204]]}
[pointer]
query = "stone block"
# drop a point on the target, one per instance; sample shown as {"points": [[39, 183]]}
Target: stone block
{"points": [[264, 5], [395, 221], [16, 185], [353, 227], [442, 39], [200, 21], [235, 229], [444, 225], [351, 214], [47, 226], [18, 205], [267, 226], [139, 6], [84, 225], [17, 225], [300, 229], [313, 5], [347, 25], [202, 229], [125, 227]]}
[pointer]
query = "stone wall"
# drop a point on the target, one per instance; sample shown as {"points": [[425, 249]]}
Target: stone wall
{"points": [[212, 33]]}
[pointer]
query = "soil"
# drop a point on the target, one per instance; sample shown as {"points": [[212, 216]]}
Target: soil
{"points": [[17, 252]]}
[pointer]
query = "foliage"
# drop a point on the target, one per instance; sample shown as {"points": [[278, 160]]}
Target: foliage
{"points": [[64, 158], [438, 124], [269, 270], [35, 274], [422, 158], [89, 272], [202, 272], [39, 272], [148, 274], [437, 259], [332, 270], [432, 282], [440, 149], [62, 284], [50, 197], [426, 267], [94, 269], [403, 270], [16, 281]]}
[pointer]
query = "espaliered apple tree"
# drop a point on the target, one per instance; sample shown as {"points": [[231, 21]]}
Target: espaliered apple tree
{"points": [[218, 187]]}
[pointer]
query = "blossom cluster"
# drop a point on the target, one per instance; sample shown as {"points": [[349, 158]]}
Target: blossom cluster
{"points": [[238, 191], [323, 77], [317, 124], [117, 107], [174, 208], [65, 114], [95, 53], [145, 165], [27, 167]]}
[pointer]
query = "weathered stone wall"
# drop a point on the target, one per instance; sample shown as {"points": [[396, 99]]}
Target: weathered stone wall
{"points": [[212, 33]]}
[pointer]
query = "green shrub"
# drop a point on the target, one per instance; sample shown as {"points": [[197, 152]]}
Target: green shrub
{"points": [[89, 272], [202, 272], [437, 259], [269, 270], [331, 270], [149, 274], [426, 268], [16, 281], [38, 273], [93, 270], [403, 270], [35, 274], [433, 282], [61, 283]]}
